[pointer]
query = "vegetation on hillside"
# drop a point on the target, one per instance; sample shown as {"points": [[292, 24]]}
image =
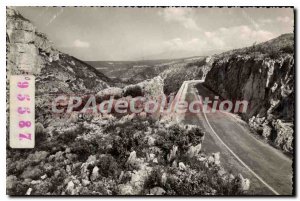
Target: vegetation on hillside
{"points": [[103, 155]]}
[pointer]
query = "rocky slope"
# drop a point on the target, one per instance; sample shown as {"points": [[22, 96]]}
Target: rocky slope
{"points": [[264, 75], [134, 155], [56, 72]]}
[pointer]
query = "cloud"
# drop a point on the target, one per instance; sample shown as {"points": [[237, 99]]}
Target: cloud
{"points": [[219, 40], [55, 15], [235, 37], [81, 44], [286, 23], [177, 44], [265, 21], [181, 15], [250, 19], [285, 19]]}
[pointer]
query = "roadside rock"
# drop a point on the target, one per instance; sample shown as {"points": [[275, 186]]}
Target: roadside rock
{"points": [[95, 174], [150, 141], [11, 181], [91, 160], [164, 178], [181, 166], [285, 134], [194, 151], [133, 161], [172, 154], [136, 183], [85, 182], [38, 156], [32, 173], [28, 191], [70, 188], [125, 189], [244, 183], [217, 158], [44, 177], [266, 131], [157, 191]]}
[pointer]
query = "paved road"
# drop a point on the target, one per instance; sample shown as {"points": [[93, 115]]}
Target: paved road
{"points": [[269, 171]]}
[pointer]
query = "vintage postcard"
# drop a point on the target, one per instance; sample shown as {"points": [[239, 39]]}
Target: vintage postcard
{"points": [[172, 101]]}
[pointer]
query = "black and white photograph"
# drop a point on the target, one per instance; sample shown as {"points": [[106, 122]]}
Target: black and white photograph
{"points": [[140, 101]]}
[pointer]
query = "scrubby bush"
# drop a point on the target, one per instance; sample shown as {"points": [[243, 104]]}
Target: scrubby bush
{"points": [[75, 150], [154, 178], [83, 149], [69, 134], [197, 179], [127, 137], [274, 54], [179, 136], [288, 49], [197, 63], [18, 189], [133, 91], [108, 166], [67, 137]]}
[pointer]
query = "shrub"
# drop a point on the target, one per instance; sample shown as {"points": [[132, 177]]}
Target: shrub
{"points": [[127, 138], [202, 181], [196, 135], [108, 166], [68, 135], [197, 63], [273, 53], [133, 91], [83, 149], [288, 49], [182, 137], [154, 178], [18, 189]]}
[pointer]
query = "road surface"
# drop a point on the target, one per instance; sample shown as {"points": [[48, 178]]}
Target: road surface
{"points": [[269, 170]]}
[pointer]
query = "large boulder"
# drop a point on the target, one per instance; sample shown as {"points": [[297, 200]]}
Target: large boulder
{"points": [[32, 173], [285, 132]]}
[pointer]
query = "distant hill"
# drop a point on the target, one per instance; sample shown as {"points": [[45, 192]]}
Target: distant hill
{"points": [[119, 69], [281, 44], [175, 54], [137, 71]]}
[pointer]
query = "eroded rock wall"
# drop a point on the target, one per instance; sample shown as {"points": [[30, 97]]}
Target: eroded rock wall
{"points": [[267, 84]]}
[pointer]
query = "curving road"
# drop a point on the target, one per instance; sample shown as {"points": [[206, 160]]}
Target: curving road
{"points": [[269, 170]]}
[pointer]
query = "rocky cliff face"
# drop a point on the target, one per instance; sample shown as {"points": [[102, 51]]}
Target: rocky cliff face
{"points": [[56, 72], [264, 75]]}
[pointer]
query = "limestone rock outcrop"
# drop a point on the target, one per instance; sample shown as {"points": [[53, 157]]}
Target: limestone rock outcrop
{"points": [[264, 76], [29, 51]]}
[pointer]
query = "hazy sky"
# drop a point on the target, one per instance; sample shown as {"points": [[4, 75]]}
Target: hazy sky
{"points": [[94, 33]]}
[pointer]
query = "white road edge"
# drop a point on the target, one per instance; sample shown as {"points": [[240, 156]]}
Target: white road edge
{"points": [[182, 94]]}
